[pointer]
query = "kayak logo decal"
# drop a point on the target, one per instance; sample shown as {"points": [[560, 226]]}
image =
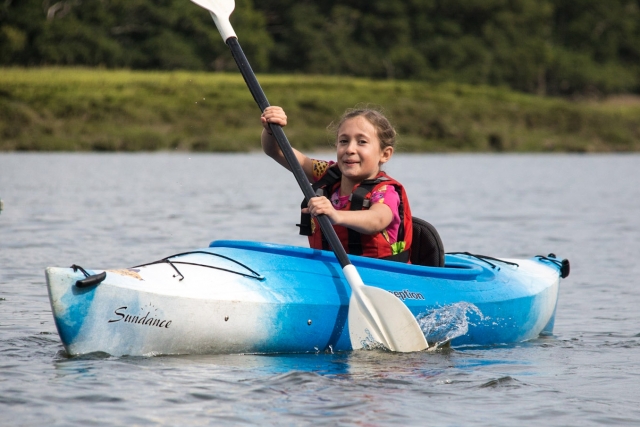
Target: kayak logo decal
{"points": [[403, 295], [147, 320]]}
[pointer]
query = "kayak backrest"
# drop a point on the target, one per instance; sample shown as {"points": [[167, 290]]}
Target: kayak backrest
{"points": [[426, 248]]}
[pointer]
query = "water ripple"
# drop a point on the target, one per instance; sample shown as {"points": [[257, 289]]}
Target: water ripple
{"points": [[502, 382]]}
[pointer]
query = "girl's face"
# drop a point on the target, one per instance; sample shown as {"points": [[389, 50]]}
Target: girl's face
{"points": [[359, 152]]}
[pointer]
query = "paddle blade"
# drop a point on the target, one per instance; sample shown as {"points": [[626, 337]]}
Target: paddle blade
{"points": [[220, 12], [377, 317]]}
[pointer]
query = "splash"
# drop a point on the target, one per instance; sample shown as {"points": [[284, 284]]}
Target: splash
{"points": [[443, 324], [370, 343]]}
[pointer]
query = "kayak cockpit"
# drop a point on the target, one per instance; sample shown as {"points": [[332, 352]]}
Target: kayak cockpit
{"points": [[456, 268]]}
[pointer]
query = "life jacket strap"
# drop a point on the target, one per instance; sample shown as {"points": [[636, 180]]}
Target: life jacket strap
{"points": [[322, 187], [399, 257], [358, 202]]}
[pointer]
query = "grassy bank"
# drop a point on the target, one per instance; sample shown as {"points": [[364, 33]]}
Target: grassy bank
{"points": [[85, 109]]}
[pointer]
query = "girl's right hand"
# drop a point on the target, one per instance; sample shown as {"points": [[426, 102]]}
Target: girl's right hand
{"points": [[275, 115], [270, 145], [322, 206]]}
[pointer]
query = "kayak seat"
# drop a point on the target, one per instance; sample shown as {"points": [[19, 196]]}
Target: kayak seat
{"points": [[427, 248]]}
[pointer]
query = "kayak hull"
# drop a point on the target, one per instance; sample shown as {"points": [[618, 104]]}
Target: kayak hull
{"points": [[250, 297]]}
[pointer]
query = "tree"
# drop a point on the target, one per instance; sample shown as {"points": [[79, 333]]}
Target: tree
{"points": [[142, 34], [559, 47]]}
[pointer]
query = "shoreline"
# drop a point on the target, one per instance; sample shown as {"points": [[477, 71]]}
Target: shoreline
{"points": [[97, 110]]}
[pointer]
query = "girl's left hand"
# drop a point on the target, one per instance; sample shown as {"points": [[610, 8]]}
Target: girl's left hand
{"points": [[273, 114], [322, 206]]}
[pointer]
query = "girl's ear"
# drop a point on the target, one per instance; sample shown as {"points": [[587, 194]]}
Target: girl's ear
{"points": [[386, 154]]}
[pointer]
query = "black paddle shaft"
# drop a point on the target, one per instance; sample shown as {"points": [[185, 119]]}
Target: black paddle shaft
{"points": [[261, 99]]}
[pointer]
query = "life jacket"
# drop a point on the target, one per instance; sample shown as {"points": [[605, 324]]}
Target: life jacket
{"points": [[355, 243]]}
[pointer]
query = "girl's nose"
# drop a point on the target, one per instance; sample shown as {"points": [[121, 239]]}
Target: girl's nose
{"points": [[351, 147]]}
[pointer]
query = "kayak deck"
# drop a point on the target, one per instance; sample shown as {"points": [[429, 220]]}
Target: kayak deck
{"points": [[251, 297]]}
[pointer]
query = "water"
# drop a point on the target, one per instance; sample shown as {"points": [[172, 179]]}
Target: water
{"points": [[118, 210]]}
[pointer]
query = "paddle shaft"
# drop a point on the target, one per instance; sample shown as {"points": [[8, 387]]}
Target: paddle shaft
{"points": [[261, 99], [398, 329]]}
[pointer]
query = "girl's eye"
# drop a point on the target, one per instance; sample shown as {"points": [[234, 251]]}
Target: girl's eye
{"points": [[343, 141], [362, 141]]}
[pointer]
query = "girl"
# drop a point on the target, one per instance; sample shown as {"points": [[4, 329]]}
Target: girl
{"points": [[368, 209]]}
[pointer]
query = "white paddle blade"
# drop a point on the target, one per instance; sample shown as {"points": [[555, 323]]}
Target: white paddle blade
{"points": [[220, 12], [379, 318]]}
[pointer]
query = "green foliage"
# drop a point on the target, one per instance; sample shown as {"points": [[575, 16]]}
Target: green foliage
{"points": [[82, 109], [537, 46], [558, 47], [141, 34]]}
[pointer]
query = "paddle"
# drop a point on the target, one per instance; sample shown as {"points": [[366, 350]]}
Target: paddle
{"points": [[375, 315]]}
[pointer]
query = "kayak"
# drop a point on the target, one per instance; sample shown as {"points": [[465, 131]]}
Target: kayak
{"points": [[252, 297]]}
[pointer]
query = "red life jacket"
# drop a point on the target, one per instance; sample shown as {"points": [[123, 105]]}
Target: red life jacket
{"points": [[370, 245]]}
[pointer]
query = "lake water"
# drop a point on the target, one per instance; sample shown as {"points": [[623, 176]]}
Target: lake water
{"points": [[119, 210]]}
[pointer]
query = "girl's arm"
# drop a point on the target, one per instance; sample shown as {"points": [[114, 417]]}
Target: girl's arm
{"points": [[370, 221], [270, 146]]}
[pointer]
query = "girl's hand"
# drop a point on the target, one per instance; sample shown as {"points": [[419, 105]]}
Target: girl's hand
{"points": [[370, 221], [273, 114], [322, 206], [276, 115]]}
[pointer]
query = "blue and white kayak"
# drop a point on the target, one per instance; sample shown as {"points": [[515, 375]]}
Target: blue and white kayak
{"points": [[250, 297]]}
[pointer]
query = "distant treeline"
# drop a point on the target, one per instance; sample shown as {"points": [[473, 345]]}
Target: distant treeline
{"points": [[557, 47]]}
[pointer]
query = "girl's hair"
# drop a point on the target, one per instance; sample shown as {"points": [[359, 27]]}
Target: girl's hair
{"points": [[386, 133]]}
